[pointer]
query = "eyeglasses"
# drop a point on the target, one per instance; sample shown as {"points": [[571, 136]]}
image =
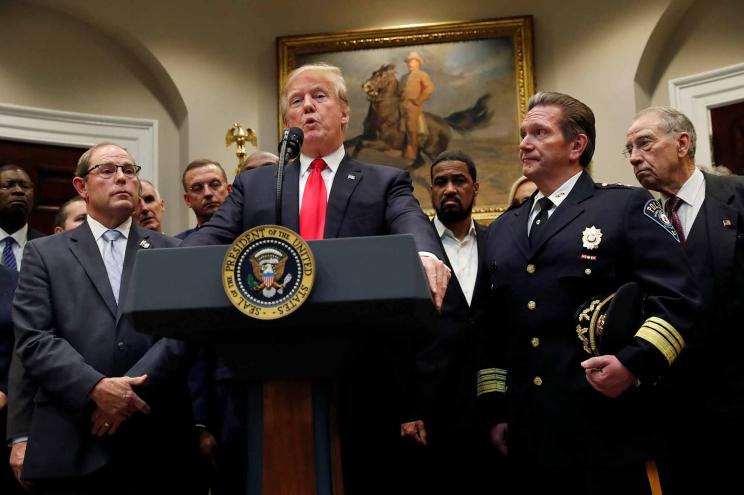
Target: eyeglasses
{"points": [[644, 144], [108, 170], [12, 184], [199, 188]]}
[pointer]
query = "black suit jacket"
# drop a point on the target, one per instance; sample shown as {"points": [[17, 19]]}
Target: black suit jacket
{"points": [[716, 250], [365, 200], [69, 335], [444, 391], [555, 417]]}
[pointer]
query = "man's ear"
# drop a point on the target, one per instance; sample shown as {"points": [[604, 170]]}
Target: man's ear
{"points": [[81, 186], [683, 144], [578, 145]]}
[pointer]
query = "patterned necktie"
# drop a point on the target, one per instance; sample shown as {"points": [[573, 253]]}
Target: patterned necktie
{"points": [[8, 257], [113, 259], [672, 206], [314, 202], [542, 217]]}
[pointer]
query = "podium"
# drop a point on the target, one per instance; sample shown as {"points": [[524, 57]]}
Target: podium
{"points": [[364, 287]]}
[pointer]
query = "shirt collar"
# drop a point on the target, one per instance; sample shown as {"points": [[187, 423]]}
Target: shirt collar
{"points": [[20, 235], [443, 231], [559, 194], [332, 160], [98, 228], [690, 188]]}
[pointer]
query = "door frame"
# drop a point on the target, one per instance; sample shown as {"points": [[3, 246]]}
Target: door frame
{"points": [[46, 126], [695, 95]]}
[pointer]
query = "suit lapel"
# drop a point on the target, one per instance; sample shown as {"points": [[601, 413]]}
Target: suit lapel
{"points": [[291, 197], [480, 233], [347, 178], [454, 283], [722, 238], [136, 235], [518, 218], [85, 250], [569, 209]]}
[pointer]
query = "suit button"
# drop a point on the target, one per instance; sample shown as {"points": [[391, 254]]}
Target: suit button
{"points": [[121, 346], [531, 305], [535, 342], [537, 381], [530, 268], [588, 271]]}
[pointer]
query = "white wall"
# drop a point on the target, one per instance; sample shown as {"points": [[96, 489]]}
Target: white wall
{"points": [[217, 59]]}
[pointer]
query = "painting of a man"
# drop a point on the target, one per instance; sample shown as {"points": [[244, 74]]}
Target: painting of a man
{"points": [[416, 88]]}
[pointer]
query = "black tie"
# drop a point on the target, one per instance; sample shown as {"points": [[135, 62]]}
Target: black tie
{"points": [[542, 217]]}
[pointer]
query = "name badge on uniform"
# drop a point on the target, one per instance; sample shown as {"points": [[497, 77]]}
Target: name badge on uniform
{"points": [[655, 212]]}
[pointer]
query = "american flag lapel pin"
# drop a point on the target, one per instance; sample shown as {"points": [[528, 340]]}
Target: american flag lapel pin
{"points": [[351, 177]]}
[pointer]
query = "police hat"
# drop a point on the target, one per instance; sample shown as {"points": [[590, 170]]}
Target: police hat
{"points": [[607, 323]]}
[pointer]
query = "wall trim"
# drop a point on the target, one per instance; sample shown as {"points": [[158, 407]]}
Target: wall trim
{"points": [[45, 126], [697, 94]]}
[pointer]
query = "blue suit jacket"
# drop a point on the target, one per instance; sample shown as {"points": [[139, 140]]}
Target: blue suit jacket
{"points": [[365, 200]]}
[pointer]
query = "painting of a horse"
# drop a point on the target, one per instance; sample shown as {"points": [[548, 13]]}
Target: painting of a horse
{"points": [[382, 129]]}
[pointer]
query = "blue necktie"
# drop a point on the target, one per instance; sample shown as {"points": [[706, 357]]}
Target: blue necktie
{"points": [[113, 259], [8, 256]]}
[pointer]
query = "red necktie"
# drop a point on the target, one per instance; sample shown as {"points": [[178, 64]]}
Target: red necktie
{"points": [[314, 201], [671, 207]]}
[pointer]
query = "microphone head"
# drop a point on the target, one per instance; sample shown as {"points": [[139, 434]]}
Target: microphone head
{"points": [[292, 140]]}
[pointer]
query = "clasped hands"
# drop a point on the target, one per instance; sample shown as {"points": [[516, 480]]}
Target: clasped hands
{"points": [[116, 401]]}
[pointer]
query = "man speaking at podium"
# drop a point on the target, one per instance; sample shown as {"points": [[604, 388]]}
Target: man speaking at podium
{"points": [[329, 195]]}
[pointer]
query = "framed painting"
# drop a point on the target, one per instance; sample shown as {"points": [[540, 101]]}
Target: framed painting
{"points": [[477, 78]]}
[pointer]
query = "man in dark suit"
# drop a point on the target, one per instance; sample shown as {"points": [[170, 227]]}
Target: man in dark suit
{"points": [[577, 422], [328, 195], [111, 412], [456, 457], [709, 212], [16, 201]]}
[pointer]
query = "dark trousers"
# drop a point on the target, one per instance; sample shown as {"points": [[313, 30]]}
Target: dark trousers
{"points": [[630, 479]]}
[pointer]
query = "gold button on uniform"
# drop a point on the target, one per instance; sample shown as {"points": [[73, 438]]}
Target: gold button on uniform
{"points": [[535, 342], [531, 305], [588, 271], [537, 381], [530, 268]]}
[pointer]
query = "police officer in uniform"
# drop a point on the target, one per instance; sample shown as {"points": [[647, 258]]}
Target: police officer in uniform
{"points": [[576, 422]]}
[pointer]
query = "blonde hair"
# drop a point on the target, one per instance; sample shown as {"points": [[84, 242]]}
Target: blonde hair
{"points": [[331, 73]]}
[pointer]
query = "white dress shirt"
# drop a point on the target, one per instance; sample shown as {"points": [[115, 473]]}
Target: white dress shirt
{"points": [[463, 256], [98, 229], [21, 237], [557, 198], [692, 194], [332, 161]]}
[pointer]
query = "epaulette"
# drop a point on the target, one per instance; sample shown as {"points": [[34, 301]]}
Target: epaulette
{"points": [[616, 185]]}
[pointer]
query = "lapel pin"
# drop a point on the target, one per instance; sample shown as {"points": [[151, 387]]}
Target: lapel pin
{"points": [[144, 243], [727, 223], [351, 176]]}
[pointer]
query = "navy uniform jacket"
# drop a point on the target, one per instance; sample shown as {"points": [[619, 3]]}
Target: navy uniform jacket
{"points": [[69, 335], [555, 417]]}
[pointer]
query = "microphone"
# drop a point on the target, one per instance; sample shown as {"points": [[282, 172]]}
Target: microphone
{"points": [[289, 149]]}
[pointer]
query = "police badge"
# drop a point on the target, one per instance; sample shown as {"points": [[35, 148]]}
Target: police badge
{"points": [[591, 237], [268, 272]]}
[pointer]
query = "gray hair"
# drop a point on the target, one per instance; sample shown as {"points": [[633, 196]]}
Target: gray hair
{"points": [[673, 122]]}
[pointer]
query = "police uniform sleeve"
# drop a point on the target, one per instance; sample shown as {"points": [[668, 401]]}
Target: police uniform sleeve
{"points": [[656, 260]]}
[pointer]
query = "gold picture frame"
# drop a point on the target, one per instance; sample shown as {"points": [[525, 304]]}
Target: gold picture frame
{"points": [[465, 61]]}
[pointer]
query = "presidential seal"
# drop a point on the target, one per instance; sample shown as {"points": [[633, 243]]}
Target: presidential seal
{"points": [[268, 272]]}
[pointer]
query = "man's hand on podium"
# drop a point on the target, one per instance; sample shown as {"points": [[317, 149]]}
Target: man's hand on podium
{"points": [[438, 275], [414, 430]]}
